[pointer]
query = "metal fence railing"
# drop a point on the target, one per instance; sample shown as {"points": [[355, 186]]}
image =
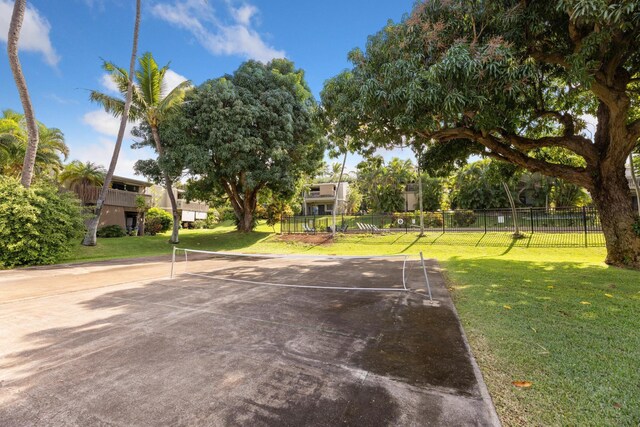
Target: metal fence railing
{"points": [[531, 220]]}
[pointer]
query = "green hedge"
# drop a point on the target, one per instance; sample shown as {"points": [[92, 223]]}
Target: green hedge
{"points": [[157, 221], [37, 225]]}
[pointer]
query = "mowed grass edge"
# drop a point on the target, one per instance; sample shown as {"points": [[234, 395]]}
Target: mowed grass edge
{"points": [[544, 309]]}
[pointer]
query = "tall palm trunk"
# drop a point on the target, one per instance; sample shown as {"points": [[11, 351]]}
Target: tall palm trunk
{"points": [[92, 226], [32, 126], [168, 185]]}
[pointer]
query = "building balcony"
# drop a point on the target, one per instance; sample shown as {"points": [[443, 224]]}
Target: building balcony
{"points": [[192, 206], [319, 195], [126, 199]]}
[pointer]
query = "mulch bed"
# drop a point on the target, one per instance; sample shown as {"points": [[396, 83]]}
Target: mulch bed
{"points": [[310, 239]]}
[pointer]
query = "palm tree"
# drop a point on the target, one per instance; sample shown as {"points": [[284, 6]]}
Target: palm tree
{"points": [[150, 103], [90, 239], [14, 145], [77, 176], [32, 126]]}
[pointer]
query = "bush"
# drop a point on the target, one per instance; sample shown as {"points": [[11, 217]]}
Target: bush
{"points": [[213, 217], [109, 231], [200, 224], [158, 220], [152, 226], [463, 218], [227, 213], [37, 225], [636, 226], [433, 219]]}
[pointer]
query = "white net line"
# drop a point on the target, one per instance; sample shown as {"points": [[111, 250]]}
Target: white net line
{"points": [[292, 257]]}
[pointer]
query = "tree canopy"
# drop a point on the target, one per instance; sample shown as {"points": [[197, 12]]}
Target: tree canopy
{"points": [[255, 129], [505, 80]]}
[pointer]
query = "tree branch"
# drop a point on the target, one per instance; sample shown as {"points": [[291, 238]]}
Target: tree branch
{"points": [[504, 152]]}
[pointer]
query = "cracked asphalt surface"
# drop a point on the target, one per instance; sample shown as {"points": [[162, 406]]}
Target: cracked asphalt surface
{"points": [[119, 344]]}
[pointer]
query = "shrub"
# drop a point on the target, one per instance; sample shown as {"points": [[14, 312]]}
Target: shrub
{"points": [[155, 216], [109, 231], [213, 217], [464, 218], [199, 224], [37, 225], [152, 226], [433, 219], [636, 226], [226, 213]]}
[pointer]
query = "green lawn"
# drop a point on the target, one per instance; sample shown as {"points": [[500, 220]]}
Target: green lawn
{"points": [[543, 309]]}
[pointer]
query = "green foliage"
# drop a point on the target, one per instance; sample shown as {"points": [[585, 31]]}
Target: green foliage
{"points": [[478, 185], [277, 209], [157, 221], [13, 144], [432, 193], [200, 224], [153, 226], [250, 131], [109, 231], [383, 185], [37, 225], [636, 226], [354, 200], [464, 218]]}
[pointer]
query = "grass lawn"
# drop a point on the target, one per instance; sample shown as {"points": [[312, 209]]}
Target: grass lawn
{"points": [[543, 309]]}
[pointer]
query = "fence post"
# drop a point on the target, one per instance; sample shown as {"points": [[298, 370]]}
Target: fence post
{"points": [[484, 215], [444, 220], [531, 217], [584, 222]]}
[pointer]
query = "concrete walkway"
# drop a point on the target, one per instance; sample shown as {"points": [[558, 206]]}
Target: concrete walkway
{"points": [[117, 343]]}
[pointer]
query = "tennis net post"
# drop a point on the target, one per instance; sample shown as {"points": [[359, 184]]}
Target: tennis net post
{"points": [[426, 276]]}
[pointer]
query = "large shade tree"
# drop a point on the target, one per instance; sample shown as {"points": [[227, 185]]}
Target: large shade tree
{"points": [[247, 132], [504, 79]]}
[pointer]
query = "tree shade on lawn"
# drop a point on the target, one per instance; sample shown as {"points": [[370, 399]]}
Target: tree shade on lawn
{"points": [[504, 80]]}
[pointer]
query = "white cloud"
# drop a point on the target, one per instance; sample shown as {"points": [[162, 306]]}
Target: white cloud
{"points": [[101, 152], [107, 82], [218, 37], [105, 124], [34, 36], [171, 80], [243, 14]]}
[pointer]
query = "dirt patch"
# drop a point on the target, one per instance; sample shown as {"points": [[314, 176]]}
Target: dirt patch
{"points": [[309, 239]]}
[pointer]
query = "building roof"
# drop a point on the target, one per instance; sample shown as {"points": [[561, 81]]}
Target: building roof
{"points": [[131, 181]]}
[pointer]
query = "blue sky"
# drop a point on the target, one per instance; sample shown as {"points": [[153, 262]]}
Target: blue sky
{"points": [[62, 43]]}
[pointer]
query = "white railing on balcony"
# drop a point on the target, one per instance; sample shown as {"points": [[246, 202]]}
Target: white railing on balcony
{"points": [[192, 206], [317, 194]]}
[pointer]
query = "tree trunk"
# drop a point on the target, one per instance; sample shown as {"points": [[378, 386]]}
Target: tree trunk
{"points": [[168, 185], [612, 198], [92, 226], [14, 61]]}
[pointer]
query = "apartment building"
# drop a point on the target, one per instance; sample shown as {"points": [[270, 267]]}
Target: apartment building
{"points": [[189, 211], [319, 199]]}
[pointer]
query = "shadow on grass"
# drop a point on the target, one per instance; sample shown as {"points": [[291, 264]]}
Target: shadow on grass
{"points": [[536, 240], [571, 329]]}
